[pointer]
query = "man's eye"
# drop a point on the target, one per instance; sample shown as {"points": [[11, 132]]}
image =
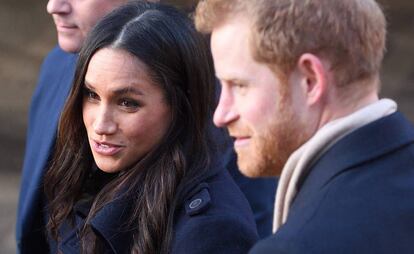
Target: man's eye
{"points": [[240, 87]]}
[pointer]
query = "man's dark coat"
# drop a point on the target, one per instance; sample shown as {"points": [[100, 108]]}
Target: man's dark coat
{"points": [[357, 198]]}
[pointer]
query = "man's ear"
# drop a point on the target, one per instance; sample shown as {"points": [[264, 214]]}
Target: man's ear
{"points": [[314, 78]]}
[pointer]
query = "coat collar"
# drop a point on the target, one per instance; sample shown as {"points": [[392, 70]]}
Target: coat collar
{"points": [[364, 144], [111, 221]]}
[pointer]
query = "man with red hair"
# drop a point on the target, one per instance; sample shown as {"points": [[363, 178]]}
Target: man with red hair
{"points": [[300, 83]]}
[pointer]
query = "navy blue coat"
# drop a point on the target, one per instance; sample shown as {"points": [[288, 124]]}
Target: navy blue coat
{"points": [[53, 87], [214, 217], [47, 102], [357, 198]]}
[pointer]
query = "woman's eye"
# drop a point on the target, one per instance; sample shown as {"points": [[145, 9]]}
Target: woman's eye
{"points": [[90, 95], [129, 104]]}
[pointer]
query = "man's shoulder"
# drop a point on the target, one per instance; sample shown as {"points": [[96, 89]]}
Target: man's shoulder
{"points": [[364, 206], [349, 219], [57, 54], [57, 68], [56, 61], [53, 85], [376, 151]]}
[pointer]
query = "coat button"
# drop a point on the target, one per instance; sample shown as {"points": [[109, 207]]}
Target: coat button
{"points": [[195, 203]]}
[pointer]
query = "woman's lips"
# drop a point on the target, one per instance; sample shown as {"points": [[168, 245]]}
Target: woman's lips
{"points": [[241, 141], [106, 149]]}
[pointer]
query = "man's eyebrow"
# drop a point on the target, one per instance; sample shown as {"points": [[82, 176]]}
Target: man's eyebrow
{"points": [[235, 80]]}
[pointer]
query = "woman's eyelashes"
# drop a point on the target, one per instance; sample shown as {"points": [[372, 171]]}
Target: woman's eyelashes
{"points": [[129, 104], [89, 94], [125, 103]]}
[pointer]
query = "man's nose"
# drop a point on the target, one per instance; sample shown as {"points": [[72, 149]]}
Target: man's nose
{"points": [[225, 112], [58, 7], [105, 123]]}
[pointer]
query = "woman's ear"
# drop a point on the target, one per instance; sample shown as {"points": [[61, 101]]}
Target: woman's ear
{"points": [[313, 78]]}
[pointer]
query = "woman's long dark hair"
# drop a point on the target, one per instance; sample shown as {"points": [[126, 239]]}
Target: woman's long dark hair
{"points": [[179, 61]]}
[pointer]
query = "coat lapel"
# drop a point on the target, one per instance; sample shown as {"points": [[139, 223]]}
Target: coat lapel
{"points": [[111, 221], [369, 142]]}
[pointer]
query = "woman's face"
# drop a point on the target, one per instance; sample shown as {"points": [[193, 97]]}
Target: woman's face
{"points": [[124, 112]]}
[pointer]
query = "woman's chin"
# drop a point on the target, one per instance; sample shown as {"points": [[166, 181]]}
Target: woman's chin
{"points": [[108, 168]]}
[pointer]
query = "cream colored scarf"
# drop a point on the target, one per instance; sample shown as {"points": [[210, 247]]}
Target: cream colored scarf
{"points": [[309, 152]]}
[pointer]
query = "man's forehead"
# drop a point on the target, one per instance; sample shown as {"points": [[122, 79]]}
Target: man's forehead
{"points": [[231, 50]]}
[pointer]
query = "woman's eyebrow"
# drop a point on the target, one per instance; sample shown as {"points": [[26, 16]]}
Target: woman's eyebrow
{"points": [[89, 86], [127, 90], [118, 91]]}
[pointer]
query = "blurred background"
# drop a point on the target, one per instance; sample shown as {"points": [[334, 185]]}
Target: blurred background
{"points": [[27, 34]]}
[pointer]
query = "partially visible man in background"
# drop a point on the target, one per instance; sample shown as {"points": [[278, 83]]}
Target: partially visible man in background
{"points": [[73, 20], [300, 83]]}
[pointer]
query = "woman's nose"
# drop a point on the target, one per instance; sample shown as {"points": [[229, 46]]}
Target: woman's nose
{"points": [[104, 123]]}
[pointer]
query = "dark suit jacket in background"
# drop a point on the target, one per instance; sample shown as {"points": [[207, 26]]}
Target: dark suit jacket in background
{"points": [[53, 87], [358, 197], [47, 102]]}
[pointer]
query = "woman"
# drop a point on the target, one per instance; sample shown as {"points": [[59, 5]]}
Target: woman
{"points": [[131, 172]]}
